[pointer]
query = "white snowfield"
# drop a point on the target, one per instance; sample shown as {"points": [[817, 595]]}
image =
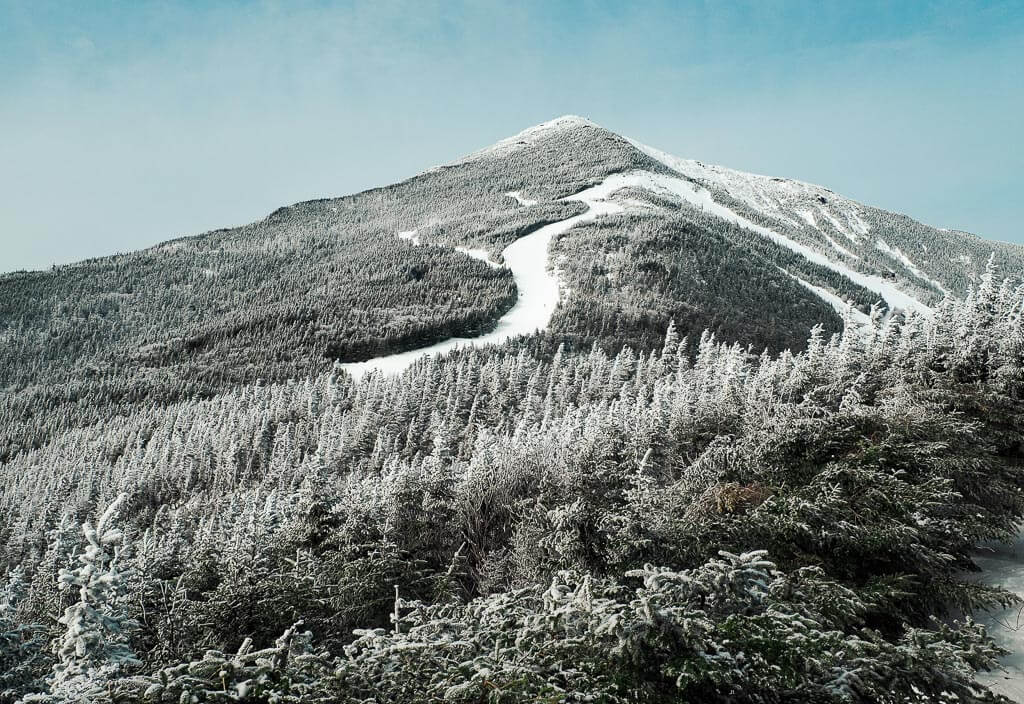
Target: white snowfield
{"points": [[690, 192], [537, 286], [527, 137], [480, 254], [842, 307], [775, 197], [411, 236], [897, 254]]}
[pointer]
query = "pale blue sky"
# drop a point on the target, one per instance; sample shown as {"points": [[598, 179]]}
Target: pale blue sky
{"points": [[126, 123]]}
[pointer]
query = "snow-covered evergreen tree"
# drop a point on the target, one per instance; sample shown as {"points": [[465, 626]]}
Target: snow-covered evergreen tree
{"points": [[93, 649]]}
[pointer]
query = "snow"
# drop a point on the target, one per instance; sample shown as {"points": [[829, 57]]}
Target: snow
{"points": [[772, 197], [896, 254], [809, 217], [538, 287], [840, 227], [529, 136], [1003, 566], [832, 299], [411, 236], [700, 197], [836, 246], [526, 202], [480, 254]]}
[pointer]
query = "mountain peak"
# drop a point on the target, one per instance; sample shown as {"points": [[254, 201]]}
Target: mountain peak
{"points": [[531, 135]]}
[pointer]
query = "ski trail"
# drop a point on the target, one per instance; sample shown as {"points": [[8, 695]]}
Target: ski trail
{"points": [[537, 286]]}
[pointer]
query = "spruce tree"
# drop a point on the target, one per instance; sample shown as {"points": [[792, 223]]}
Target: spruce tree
{"points": [[94, 648]]}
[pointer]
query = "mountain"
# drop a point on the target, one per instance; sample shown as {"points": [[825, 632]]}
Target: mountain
{"points": [[754, 259], [682, 415]]}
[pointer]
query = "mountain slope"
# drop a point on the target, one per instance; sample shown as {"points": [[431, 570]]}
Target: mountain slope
{"points": [[754, 259], [199, 502]]}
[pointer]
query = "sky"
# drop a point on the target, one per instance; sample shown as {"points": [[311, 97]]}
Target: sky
{"points": [[126, 123]]}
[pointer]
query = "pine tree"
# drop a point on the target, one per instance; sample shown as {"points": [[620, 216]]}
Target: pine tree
{"points": [[20, 644], [94, 648]]}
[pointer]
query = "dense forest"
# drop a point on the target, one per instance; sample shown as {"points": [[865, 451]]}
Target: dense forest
{"points": [[704, 481], [501, 527]]}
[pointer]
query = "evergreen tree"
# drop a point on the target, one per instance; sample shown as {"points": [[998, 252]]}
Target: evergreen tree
{"points": [[94, 647]]}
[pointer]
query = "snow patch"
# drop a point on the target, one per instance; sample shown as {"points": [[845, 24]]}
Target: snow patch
{"points": [[412, 236], [1001, 566], [809, 217], [480, 254], [525, 202], [838, 304], [700, 197], [529, 137], [770, 196], [899, 256]]}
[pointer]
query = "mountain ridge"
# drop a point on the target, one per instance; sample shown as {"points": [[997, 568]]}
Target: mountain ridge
{"points": [[333, 274]]}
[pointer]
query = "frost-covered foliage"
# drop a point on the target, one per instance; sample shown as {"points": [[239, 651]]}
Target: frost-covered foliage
{"points": [[20, 644], [93, 649], [733, 629], [926, 261], [327, 280], [808, 515]]}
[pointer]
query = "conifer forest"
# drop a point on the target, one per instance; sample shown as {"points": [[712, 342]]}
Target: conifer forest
{"points": [[751, 457]]}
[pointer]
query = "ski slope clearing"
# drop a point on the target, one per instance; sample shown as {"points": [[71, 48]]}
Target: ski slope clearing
{"points": [[897, 254], [838, 304], [781, 198], [538, 287], [696, 195]]}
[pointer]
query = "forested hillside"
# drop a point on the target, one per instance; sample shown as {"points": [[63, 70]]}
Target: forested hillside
{"points": [[709, 479]]}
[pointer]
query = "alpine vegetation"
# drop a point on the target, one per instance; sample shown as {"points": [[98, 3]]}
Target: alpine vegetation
{"points": [[752, 456]]}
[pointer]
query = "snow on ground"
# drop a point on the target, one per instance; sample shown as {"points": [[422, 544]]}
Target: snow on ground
{"points": [[840, 227], [1002, 567], [526, 202], [895, 253], [537, 286], [700, 197], [836, 246], [774, 197], [832, 299], [480, 254], [528, 137], [411, 236]]}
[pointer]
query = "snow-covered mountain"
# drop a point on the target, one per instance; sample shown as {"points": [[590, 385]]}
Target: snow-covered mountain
{"points": [[634, 238], [704, 435], [906, 264]]}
